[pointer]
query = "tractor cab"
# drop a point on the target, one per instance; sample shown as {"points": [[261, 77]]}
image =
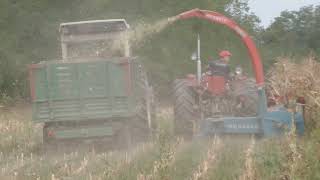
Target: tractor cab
{"points": [[97, 38]]}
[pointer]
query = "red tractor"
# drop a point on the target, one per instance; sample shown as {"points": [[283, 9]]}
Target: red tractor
{"points": [[212, 95], [215, 105]]}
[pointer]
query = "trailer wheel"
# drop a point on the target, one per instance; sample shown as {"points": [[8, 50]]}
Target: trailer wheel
{"points": [[123, 138], [184, 113], [49, 144]]}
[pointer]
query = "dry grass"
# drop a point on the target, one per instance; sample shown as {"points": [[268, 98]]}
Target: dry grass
{"points": [[286, 158], [20, 157], [292, 80], [202, 170], [161, 165], [168, 148], [299, 79], [17, 132], [249, 173]]}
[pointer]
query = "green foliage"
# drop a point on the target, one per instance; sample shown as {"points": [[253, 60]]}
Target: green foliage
{"points": [[268, 159], [293, 34], [274, 158], [230, 160], [6, 100], [29, 34]]}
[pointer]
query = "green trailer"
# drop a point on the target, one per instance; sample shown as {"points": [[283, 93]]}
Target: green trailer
{"points": [[96, 90]]}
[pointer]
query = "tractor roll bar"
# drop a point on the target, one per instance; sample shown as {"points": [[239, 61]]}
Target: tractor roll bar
{"points": [[246, 39]]}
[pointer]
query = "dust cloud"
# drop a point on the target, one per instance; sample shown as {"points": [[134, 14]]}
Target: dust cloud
{"points": [[137, 35]]}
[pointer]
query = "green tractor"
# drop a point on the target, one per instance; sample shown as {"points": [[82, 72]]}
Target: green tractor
{"points": [[97, 91]]}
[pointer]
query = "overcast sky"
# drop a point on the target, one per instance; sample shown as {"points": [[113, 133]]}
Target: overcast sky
{"points": [[267, 10]]}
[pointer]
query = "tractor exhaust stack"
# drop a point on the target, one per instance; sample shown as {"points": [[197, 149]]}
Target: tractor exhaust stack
{"points": [[198, 62]]}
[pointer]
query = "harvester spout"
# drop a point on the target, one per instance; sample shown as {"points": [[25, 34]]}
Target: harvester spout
{"points": [[188, 14], [184, 15], [218, 18]]}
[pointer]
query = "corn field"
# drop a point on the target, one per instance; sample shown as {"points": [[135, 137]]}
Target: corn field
{"points": [[167, 157]]}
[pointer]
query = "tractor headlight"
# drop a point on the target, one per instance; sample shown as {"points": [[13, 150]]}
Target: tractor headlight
{"points": [[239, 71]]}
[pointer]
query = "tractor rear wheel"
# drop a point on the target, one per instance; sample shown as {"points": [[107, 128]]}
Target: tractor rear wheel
{"points": [[184, 112]]}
